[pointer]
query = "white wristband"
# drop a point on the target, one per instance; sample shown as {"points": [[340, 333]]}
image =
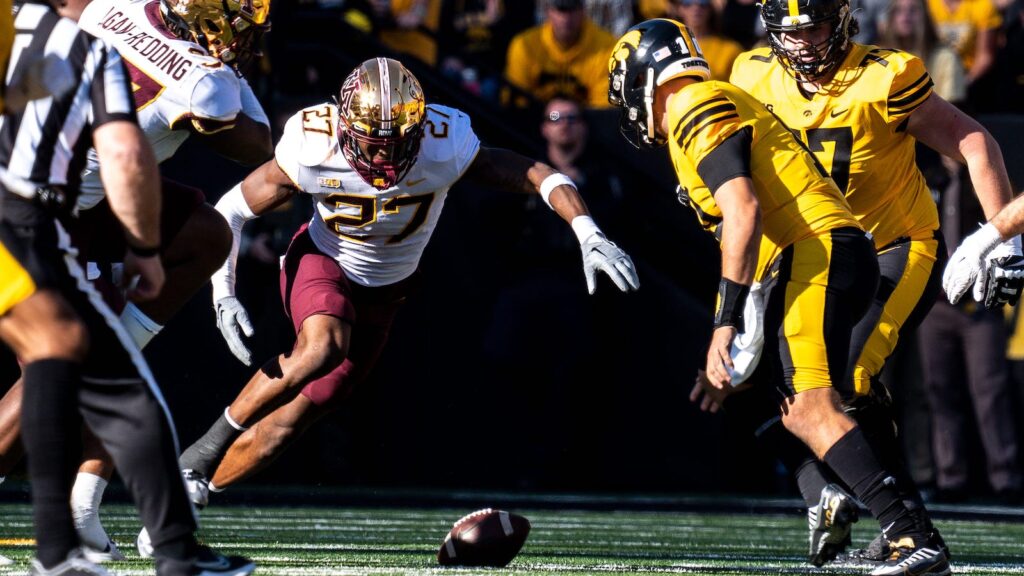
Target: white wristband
{"points": [[236, 211], [551, 182], [584, 227]]}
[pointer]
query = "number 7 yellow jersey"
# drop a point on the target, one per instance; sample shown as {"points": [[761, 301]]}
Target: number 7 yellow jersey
{"points": [[798, 200], [857, 127]]}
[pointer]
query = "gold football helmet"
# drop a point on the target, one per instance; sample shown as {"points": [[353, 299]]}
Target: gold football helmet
{"points": [[228, 29], [381, 111]]}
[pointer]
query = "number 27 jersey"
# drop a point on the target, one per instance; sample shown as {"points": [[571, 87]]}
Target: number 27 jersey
{"points": [[856, 126], [376, 236]]}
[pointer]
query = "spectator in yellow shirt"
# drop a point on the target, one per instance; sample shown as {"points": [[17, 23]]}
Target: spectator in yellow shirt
{"points": [[970, 27], [565, 56]]}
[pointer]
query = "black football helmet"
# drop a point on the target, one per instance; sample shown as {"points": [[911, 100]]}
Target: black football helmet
{"points": [[817, 61], [648, 55]]}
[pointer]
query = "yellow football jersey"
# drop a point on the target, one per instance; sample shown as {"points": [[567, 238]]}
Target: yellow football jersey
{"points": [[856, 126], [797, 198]]}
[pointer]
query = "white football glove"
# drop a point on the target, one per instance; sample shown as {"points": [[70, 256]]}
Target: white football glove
{"points": [[748, 344], [968, 266], [600, 254], [233, 322]]}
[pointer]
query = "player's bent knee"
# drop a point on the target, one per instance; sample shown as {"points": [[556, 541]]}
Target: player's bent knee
{"points": [[216, 232], [322, 345]]}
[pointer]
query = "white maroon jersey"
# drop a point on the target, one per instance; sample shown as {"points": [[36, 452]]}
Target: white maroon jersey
{"points": [[377, 236], [175, 82]]}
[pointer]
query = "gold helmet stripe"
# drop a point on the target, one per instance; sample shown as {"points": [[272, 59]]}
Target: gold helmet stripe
{"points": [[691, 49], [794, 9], [384, 72]]}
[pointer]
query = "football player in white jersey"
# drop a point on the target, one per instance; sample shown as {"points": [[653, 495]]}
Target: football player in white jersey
{"points": [[379, 165], [183, 57]]}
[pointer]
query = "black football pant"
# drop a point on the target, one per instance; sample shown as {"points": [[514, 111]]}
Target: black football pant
{"points": [[115, 395]]}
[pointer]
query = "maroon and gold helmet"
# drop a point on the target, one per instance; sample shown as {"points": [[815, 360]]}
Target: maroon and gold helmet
{"points": [[229, 29], [381, 111]]}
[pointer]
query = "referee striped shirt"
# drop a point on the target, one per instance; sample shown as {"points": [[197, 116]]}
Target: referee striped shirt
{"points": [[46, 144]]}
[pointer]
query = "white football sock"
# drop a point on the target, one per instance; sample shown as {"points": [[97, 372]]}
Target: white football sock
{"points": [[142, 328], [86, 496], [2, 478]]}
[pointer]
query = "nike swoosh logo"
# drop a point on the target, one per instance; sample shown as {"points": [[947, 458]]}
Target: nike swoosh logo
{"points": [[411, 183], [836, 113]]}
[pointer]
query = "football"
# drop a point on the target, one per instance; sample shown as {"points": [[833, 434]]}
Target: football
{"points": [[484, 538]]}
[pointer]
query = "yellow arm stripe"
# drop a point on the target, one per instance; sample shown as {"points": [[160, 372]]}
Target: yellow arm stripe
{"points": [[701, 120], [912, 85], [702, 106], [912, 101], [711, 121]]}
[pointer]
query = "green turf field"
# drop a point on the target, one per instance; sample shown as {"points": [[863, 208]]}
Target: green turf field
{"points": [[300, 541]]}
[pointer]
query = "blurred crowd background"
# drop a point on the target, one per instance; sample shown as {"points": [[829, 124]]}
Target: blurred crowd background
{"points": [[502, 372]]}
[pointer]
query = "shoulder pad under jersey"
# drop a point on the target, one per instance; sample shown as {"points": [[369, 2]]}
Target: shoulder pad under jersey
{"points": [[310, 136], [448, 137]]}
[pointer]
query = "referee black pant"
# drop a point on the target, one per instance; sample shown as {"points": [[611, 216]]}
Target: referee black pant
{"points": [[117, 396]]}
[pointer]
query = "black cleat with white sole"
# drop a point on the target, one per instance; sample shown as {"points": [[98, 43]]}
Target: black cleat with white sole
{"points": [[207, 562], [914, 555], [829, 523]]}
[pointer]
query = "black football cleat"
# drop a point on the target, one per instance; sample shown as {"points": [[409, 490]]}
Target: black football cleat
{"points": [[829, 523], [206, 562], [876, 551], [914, 555]]}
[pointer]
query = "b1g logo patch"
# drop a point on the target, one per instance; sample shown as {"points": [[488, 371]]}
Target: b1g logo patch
{"points": [[328, 182]]}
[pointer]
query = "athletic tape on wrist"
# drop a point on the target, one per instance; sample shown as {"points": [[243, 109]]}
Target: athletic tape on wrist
{"points": [[584, 227]]}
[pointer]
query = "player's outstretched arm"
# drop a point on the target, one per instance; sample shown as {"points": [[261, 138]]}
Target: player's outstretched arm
{"points": [[514, 172], [265, 189], [944, 128], [1010, 220]]}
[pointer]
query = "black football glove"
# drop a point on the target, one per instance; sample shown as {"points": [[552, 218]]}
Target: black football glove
{"points": [[1005, 281]]}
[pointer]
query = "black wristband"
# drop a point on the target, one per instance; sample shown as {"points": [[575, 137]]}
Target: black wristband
{"points": [[143, 252], [732, 298]]}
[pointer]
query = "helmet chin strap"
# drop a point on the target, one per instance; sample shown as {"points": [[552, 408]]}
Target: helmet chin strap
{"points": [[649, 105]]}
